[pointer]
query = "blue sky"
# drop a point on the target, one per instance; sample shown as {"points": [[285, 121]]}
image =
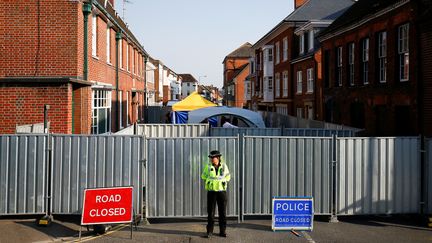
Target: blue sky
{"points": [[194, 36]]}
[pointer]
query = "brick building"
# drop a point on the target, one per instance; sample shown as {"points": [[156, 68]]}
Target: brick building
{"points": [[369, 68], [78, 57], [236, 69], [287, 60]]}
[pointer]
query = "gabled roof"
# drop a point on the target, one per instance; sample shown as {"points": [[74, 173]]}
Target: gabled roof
{"points": [[186, 77], [360, 10], [238, 71], [324, 10], [192, 102], [244, 51], [319, 10]]}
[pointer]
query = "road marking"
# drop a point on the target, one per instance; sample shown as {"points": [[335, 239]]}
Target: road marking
{"points": [[308, 237]]}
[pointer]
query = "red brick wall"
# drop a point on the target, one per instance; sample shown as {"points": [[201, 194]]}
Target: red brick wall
{"points": [[23, 104], [82, 109], [239, 88], [375, 95], [304, 98], [33, 42]]}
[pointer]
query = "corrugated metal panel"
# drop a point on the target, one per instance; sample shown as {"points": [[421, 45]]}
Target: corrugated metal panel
{"points": [[81, 162], [281, 166], [174, 167], [378, 176], [308, 132], [22, 174], [226, 132], [171, 130], [429, 167]]}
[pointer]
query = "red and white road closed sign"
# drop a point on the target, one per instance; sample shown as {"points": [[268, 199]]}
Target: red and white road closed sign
{"points": [[107, 205]]}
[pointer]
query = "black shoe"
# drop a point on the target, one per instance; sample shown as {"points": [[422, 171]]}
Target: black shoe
{"points": [[208, 235], [223, 234]]}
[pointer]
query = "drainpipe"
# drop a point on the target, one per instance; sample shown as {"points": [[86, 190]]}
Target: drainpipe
{"points": [[86, 11], [118, 38]]}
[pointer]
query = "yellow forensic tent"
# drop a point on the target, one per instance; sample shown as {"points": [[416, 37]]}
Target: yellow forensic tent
{"points": [[192, 102]]}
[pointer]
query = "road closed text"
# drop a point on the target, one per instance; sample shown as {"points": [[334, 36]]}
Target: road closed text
{"points": [[107, 205]]}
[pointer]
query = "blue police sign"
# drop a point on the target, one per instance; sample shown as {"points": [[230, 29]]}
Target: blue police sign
{"points": [[292, 213]]}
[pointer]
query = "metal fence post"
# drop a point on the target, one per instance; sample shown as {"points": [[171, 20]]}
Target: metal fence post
{"points": [[333, 205]]}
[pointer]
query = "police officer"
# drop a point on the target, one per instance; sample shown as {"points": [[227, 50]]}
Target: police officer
{"points": [[216, 177]]}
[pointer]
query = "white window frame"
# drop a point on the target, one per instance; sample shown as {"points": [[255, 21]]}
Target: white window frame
{"points": [[270, 54], [101, 100], [285, 49], [108, 44], [270, 84], [310, 80], [365, 60], [382, 56], [127, 56], [133, 60], [403, 50], [299, 82], [277, 52], [311, 40], [277, 85], [351, 60], [121, 53], [299, 112], [339, 65], [285, 83], [127, 108], [94, 35], [301, 44]]}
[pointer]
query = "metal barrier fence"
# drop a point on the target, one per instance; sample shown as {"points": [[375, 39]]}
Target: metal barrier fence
{"points": [[227, 132], [281, 166], [81, 162], [174, 166], [429, 174], [22, 174], [309, 132], [378, 176], [171, 130]]}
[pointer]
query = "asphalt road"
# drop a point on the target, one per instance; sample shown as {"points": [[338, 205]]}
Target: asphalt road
{"points": [[349, 229]]}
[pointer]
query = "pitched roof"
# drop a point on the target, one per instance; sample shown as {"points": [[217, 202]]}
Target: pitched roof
{"points": [[319, 10], [243, 51], [238, 71], [186, 77], [360, 10]]}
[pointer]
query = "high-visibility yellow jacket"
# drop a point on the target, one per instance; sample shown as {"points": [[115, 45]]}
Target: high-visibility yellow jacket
{"points": [[216, 180]]}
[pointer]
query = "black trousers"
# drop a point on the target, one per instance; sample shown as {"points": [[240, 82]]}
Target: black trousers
{"points": [[221, 199]]}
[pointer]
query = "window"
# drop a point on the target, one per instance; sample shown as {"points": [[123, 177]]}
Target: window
{"points": [[299, 82], [270, 54], [252, 67], [94, 35], [351, 47], [311, 40], [121, 53], [285, 84], [127, 108], [277, 84], [301, 43], [120, 101], [277, 52], [127, 56], [310, 113], [382, 56], [108, 44], [299, 112], [310, 80], [339, 65], [270, 84], [101, 111], [133, 60], [365, 60], [403, 52], [285, 48]]}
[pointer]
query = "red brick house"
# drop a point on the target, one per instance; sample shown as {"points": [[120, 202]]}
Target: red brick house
{"points": [[80, 59], [236, 69], [369, 68], [284, 78]]}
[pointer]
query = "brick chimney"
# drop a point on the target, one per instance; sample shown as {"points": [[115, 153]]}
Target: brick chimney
{"points": [[298, 3]]}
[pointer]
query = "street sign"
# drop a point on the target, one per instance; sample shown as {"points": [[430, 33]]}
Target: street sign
{"points": [[107, 205], [290, 213]]}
